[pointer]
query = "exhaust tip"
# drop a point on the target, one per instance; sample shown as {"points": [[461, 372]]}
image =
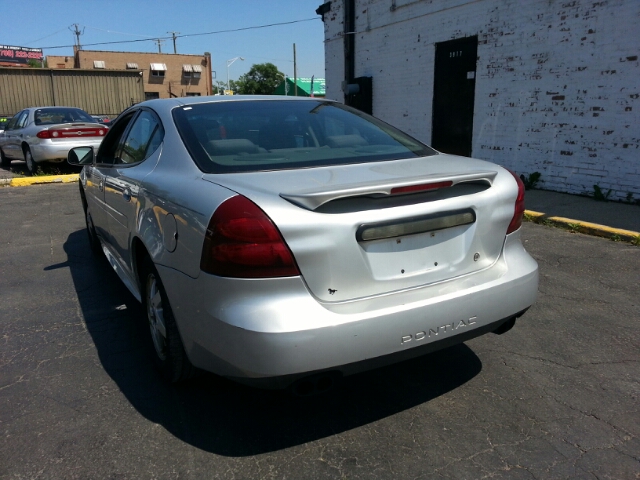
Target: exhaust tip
{"points": [[505, 327], [509, 323], [315, 384]]}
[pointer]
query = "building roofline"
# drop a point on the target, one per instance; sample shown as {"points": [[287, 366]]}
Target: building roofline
{"points": [[137, 53]]}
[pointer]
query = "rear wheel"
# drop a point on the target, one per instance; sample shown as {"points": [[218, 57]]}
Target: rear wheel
{"points": [[32, 166], [168, 353], [94, 241], [5, 162]]}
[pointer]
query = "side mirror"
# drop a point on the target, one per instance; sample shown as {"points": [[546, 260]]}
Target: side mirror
{"points": [[80, 156]]}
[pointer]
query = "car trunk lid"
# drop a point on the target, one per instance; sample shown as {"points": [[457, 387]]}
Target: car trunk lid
{"points": [[371, 229]]}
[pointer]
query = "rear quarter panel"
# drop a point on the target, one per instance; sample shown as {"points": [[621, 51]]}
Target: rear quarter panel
{"points": [[175, 189]]}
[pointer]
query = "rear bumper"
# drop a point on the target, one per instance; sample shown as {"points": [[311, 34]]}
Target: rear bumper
{"points": [[57, 152], [273, 331]]}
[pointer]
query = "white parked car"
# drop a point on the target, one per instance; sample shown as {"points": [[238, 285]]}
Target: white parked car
{"points": [[285, 241], [46, 134]]}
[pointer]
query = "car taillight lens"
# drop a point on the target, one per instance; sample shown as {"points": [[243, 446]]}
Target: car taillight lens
{"points": [[242, 241], [516, 221]]}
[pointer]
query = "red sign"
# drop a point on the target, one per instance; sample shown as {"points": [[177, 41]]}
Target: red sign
{"points": [[19, 54]]}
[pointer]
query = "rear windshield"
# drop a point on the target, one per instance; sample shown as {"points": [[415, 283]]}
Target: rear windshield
{"points": [[54, 116], [252, 135]]}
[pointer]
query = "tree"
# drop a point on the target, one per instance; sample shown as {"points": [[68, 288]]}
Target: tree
{"points": [[219, 87], [262, 79], [36, 63]]}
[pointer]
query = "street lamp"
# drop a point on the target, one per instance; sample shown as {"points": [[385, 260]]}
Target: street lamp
{"points": [[286, 84], [229, 62]]}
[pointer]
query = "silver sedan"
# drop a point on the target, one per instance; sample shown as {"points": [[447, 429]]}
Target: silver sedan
{"points": [[282, 241], [46, 134]]}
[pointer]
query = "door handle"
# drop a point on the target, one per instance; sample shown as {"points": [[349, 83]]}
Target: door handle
{"points": [[126, 194]]}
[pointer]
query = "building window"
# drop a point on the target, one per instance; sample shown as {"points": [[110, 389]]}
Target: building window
{"points": [[151, 95], [132, 66], [99, 64], [193, 94], [197, 70], [187, 70], [158, 69]]}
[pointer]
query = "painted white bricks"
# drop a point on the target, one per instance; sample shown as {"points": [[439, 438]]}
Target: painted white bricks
{"points": [[557, 82]]}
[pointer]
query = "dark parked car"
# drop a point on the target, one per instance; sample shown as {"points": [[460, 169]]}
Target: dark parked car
{"points": [[103, 119]]}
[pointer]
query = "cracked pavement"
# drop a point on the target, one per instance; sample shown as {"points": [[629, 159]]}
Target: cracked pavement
{"points": [[556, 397]]}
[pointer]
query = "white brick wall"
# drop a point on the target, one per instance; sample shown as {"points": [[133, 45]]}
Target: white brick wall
{"points": [[557, 85]]}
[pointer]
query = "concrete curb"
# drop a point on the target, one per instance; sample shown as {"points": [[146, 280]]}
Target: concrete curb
{"points": [[25, 181], [580, 226]]}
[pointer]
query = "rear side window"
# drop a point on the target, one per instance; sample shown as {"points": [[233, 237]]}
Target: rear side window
{"points": [[253, 135], [143, 139], [21, 121], [109, 146]]}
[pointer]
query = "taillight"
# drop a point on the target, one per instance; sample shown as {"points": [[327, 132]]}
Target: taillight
{"points": [[242, 241], [516, 221], [73, 133]]}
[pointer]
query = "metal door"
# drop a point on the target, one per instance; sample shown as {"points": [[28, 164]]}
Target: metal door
{"points": [[453, 95]]}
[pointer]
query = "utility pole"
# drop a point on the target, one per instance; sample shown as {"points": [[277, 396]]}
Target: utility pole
{"points": [[77, 33], [295, 73], [173, 35], [159, 41]]}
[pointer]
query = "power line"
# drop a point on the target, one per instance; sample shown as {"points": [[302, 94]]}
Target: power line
{"points": [[256, 27], [42, 38], [115, 31]]}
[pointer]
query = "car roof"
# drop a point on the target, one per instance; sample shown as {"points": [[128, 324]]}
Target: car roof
{"points": [[167, 104], [54, 107]]}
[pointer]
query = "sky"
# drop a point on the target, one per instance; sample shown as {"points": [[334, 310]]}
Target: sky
{"points": [[50, 23]]}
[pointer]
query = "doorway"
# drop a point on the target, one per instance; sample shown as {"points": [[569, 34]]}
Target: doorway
{"points": [[453, 95]]}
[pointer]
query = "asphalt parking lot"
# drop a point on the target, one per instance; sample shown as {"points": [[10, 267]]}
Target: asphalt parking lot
{"points": [[556, 397]]}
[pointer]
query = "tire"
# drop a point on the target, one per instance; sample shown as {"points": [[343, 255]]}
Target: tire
{"points": [[94, 241], [166, 345], [32, 166], [5, 162]]}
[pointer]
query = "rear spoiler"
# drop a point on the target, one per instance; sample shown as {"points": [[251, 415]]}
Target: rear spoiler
{"points": [[312, 199]]}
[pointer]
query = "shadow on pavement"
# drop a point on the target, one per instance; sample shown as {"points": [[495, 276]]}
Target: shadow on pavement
{"points": [[225, 418]]}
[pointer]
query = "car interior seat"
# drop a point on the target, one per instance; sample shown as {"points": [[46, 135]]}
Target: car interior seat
{"points": [[274, 136]]}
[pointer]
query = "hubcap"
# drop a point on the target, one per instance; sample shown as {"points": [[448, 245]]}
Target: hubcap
{"points": [[155, 316]]}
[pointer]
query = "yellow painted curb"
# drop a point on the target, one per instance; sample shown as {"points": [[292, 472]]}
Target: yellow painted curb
{"points": [[534, 215], [584, 227], [595, 228], [25, 181]]}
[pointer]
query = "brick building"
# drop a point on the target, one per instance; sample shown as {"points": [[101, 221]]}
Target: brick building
{"points": [[547, 86], [165, 75]]}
